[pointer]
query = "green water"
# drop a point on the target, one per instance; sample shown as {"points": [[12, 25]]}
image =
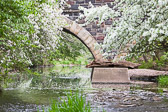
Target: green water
{"points": [[29, 93], [26, 92]]}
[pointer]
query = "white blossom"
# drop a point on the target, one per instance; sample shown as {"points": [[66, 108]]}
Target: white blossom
{"points": [[133, 20]]}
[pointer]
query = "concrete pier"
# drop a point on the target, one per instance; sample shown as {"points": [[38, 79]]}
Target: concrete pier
{"points": [[110, 75]]}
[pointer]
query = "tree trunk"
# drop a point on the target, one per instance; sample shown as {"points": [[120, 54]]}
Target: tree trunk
{"points": [[157, 54], [145, 58]]}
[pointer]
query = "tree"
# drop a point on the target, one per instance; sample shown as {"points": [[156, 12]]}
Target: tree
{"points": [[142, 21], [31, 31], [14, 31]]}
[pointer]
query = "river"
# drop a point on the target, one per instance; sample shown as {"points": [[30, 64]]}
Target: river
{"points": [[28, 93]]}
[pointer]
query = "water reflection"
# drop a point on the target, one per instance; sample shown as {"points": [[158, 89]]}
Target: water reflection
{"points": [[55, 77], [27, 92]]}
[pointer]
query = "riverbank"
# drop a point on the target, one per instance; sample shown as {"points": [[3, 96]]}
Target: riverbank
{"points": [[145, 72]]}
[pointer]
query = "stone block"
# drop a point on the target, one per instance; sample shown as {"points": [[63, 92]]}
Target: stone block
{"points": [[110, 75], [95, 26], [91, 46], [100, 38], [87, 1], [70, 2], [83, 34], [98, 4], [78, 28], [80, 2], [93, 33], [96, 51], [99, 0], [84, 5], [92, 43], [108, 22], [108, 0], [89, 39], [74, 7], [69, 23], [88, 29], [75, 28], [92, 49], [81, 21], [98, 56]]}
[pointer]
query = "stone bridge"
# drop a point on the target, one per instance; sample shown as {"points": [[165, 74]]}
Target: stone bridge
{"points": [[96, 31], [103, 71], [89, 41]]}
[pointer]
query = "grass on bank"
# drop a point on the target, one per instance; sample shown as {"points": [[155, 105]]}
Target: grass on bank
{"points": [[163, 81], [72, 103]]}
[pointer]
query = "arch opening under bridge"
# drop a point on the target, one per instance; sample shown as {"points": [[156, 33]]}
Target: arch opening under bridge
{"points": [[85, 37]]}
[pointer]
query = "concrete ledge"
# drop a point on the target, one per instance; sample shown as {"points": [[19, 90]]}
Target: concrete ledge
{"points": [[110, 75]]}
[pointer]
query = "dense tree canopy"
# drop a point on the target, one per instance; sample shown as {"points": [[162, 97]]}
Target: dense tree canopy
{"points": [[31, 32]]}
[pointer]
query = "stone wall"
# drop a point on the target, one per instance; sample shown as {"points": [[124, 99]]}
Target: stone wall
{"points": [[73, 12]]}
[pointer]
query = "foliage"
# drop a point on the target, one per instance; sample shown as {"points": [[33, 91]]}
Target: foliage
{"points": [[155, 64], [73, 103], [163, 81], [147, 65], [31, 34], [48, 23], [14, 28], [163, 61], [143, 22], [69, 49]]}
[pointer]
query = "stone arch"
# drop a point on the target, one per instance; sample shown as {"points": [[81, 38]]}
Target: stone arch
{"points": [[85, 37]]}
